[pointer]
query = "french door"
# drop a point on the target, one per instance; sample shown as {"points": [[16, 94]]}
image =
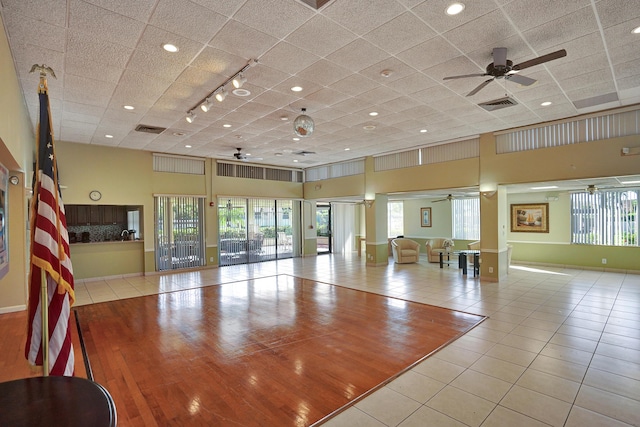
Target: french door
{"points": [[179, 223], [324, 228], [255, 230]]}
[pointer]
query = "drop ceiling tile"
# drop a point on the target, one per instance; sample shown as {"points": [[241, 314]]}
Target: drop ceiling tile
{"points": [[520, 11], [83, 47], [139, 10], [324, 72], [629, 84], [43, 34], [589, 78], [562, 30], [354, 84], [238, 39], [48, 11], [320, 36], [77, 67], [614, 12], [187, 19], [474, 35], [624, 53], [392, 68], [362, 16], [288, 58], [327, 97], [434, 12], [29, 55], [414, 83], [82, 90], [591, 91], [261, 15], [428, 54], [401, 33], [358, 55], [103, 24], [220, 62], [224, 7]]}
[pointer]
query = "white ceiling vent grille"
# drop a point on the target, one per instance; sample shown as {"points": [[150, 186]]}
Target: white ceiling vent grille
{"points": [[498, 104], [150, 129]]}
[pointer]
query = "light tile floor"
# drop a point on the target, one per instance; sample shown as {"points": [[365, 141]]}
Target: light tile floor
{"points": [[561, 346]]}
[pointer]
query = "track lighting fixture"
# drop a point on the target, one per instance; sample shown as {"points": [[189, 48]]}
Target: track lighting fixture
{"points": [[238, 80], [220, 93], [206, 105]]}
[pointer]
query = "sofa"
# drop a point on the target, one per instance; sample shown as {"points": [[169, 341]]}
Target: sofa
{"points": [[405, 251], [434, 247]]}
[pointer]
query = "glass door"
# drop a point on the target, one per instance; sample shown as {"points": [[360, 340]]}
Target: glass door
{"points": [[323, 228], [254, 230]]}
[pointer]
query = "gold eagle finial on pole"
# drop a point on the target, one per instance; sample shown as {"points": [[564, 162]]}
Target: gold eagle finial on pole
{"points": [[44, 70]]}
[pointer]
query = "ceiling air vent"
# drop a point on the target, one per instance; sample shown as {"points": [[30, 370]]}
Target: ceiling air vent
{"points": [[150, 129], [498, 104]]}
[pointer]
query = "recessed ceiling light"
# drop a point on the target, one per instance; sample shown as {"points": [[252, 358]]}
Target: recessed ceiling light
{"points": [[241, 92], [368, 127], [129, 107], [636, 30], [386, 73], [546, 103], [284, 118], [108, 136], [548, 187], [295, 161], [226, 125], [373, 113], [278, 154], [170, 47], [187, 146], [455, 8], [178, 134], [629, 182], [347, 149], [423, 131], [297, 88], [296, 139]]}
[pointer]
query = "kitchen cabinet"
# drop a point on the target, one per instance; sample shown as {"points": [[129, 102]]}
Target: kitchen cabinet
{"points": [[71, 213], [82, 215], [95, 215], [114, 215]]}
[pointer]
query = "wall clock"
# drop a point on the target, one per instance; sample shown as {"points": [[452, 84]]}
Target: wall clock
{"points": [[95, 195]]}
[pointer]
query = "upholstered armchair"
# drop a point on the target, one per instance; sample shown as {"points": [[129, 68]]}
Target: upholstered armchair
{"points": [[405, 250], [434, 247], [474, 246]]}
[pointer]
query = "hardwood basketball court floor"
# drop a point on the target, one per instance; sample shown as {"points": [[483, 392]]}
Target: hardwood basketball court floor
{"points": [[276, 351]]}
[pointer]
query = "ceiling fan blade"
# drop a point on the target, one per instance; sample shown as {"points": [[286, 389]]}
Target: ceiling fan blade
{"points": [[499, 57], [522, 80], [477, 89], [465, 76], [541, 59]]}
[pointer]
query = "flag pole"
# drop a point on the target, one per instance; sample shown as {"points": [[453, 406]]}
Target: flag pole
{"points": [[44, 305], [44, 294]]}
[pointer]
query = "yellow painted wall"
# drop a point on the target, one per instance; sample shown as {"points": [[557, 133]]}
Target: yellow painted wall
{"points": [[17, 144], [106, 259]]}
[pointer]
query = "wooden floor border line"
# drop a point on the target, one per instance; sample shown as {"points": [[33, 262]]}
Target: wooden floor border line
{"points": [[85, 356], [393, 377]]}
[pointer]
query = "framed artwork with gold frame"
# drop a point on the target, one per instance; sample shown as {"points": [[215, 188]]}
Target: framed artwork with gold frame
{"points": [[530, 217]]}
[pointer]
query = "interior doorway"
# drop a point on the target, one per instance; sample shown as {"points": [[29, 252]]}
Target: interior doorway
{"points": [[323, 228]]}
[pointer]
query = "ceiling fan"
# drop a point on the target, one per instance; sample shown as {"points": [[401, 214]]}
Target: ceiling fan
{"points": [[449, 198], [501, 67], [239, 155]]}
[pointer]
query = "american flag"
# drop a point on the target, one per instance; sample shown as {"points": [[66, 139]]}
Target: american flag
{"points": [[49, 252]]}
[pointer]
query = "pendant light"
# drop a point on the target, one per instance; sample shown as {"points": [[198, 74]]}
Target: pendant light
{"points": [[303, 125]]}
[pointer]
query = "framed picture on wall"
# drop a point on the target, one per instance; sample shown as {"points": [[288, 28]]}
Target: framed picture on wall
{"points": [[530, 217], [425, 217]]}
